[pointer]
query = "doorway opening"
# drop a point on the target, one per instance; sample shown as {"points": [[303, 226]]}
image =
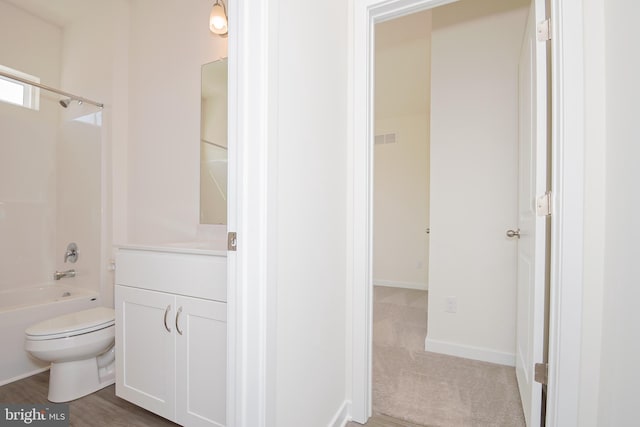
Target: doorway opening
{"points": [[472, 115], [565, 317]]}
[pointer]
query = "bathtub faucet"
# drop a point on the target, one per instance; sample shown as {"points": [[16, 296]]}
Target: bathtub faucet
{"points": [[60, 274]]}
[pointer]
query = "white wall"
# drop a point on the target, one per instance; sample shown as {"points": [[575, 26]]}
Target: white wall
{"points": [[310, 66], [170, 41], [610, 350], [475, 51], [594, 212], [401, 199], [619, 376], [401, 170], [28, 153]]}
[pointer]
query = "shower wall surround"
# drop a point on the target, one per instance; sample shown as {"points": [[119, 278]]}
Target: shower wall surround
{"points": [[28, 153], [50, 159]]}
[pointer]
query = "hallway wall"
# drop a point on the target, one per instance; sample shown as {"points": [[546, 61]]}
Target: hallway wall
{"points": [[401, 204], [401, 169], [620, 345], [309, 226], [474, 124]]}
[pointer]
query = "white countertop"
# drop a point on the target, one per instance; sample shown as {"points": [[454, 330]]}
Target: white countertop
{"points": [[199, 248]]}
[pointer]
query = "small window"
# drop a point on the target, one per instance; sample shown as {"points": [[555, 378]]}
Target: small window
{"points": [[15, 92], [94, 119]]}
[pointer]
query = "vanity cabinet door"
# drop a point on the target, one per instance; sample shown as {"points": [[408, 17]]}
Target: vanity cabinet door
{"points": [[145, 345], [201, 365]]}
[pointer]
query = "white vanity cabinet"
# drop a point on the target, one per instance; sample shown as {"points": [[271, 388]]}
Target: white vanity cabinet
{"points": [[171, 343]]}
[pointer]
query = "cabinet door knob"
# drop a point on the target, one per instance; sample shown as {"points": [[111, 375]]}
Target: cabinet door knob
{"points": [[513, 233], [178, 317], [166, 313]]}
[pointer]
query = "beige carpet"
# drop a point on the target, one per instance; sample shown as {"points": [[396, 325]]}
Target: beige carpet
{"points": [[430, 389]]}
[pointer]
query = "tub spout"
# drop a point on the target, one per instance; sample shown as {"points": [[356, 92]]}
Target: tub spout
{"points": [[60, 274]]}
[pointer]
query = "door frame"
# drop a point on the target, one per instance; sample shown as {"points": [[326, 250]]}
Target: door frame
{"points": [[251, 285], [566, 259]]}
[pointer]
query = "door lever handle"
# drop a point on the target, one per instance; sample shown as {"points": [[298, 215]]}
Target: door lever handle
{"points": [[513, 233]]}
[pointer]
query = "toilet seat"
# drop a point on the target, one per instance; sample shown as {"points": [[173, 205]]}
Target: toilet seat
{"points": [[72, 324], [79, 348]]}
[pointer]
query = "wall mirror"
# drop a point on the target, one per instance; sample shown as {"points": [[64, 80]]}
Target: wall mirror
{"points": [[213, 143]]}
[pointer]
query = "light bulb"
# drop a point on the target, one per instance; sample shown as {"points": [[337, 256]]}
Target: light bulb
{"points": [[218, 20]]}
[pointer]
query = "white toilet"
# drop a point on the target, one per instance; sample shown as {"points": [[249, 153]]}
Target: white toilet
{"points": [[80, 348]]}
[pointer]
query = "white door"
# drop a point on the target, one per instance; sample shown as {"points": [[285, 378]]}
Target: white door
{"points": [[532, 184], [144, 327], [201, 362]]}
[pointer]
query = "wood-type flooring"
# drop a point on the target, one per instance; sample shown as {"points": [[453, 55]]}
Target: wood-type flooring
{"points": [[100, 409]]}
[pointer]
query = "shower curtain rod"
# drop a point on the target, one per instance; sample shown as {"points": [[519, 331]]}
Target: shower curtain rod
{"points": [[51, 89]]}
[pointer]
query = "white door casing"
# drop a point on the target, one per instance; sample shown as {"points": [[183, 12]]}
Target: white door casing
{"points": [[532, 182], [250, 287]]}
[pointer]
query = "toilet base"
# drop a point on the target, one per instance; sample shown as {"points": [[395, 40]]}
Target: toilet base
{"points": [[72, 380]]}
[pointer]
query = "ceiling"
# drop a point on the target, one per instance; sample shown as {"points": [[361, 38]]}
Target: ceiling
{"points": [[57, 12], [402, 52]]}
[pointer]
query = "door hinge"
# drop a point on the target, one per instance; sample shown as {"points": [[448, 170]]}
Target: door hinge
{"points": [[232, 241], [544, 30], [541, 373], [543, 204]]}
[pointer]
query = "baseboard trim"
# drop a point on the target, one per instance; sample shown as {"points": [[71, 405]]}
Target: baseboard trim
{"points": [[404, 285], [470, 352], [22, 376], [341, 417]]}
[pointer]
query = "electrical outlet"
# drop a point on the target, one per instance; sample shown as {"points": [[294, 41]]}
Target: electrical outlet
{"points": [[451, 305]]}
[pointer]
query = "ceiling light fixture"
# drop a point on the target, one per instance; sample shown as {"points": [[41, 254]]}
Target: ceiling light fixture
{"points": [[218, 19]]}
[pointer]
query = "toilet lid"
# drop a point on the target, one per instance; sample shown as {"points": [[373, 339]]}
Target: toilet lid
{"points": [[80, 322]]}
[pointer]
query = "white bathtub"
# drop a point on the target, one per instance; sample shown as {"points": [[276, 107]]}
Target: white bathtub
{"points": [[21, 308]]}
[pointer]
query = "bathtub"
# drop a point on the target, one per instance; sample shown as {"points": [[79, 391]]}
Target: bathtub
{"points": [[21, 308]]}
